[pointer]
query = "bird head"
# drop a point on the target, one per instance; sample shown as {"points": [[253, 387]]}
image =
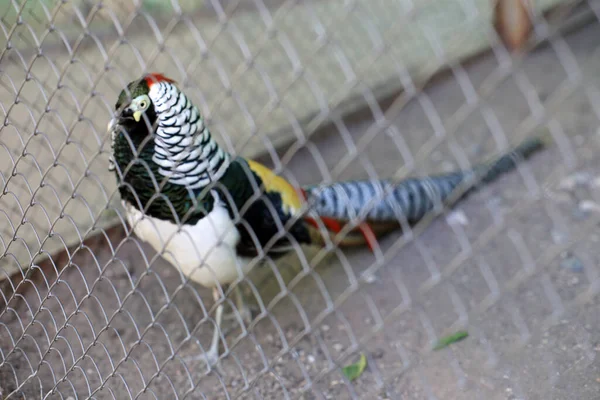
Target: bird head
{"points": [[156, 121], [135, 110]]}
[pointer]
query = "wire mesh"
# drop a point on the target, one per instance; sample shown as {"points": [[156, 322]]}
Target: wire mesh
{"points": [[321, 91]]}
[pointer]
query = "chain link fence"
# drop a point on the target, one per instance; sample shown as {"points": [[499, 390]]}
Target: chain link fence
{"points": [[319, 90]]}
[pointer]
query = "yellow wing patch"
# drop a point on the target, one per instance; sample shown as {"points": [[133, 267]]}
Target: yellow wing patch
{"points": [[274, 183]]}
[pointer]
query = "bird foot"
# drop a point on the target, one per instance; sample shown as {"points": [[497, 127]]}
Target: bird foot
{"points": [[209, 358], [244, 312]]}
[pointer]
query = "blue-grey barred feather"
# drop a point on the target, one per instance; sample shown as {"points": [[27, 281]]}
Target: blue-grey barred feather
{"points": [[411, 199]]}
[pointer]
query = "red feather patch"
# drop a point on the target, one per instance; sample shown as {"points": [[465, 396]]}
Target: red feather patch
{"points": [[335, 226], [155, 77]]}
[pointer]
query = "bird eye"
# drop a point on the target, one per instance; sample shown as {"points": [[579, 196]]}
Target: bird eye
{"points": [[143, 104]]}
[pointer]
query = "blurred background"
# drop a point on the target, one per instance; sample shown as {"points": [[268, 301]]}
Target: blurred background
{"points": [[319, 90]]}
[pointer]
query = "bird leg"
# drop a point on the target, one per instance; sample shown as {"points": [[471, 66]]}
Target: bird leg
{"points": [[213, 351], [211, 357], [243, 310]]}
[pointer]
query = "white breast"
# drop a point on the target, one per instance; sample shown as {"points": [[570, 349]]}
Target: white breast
{"points": [[205, 251]]}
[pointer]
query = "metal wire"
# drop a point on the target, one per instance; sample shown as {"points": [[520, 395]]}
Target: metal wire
{"points": [[321, 91]]}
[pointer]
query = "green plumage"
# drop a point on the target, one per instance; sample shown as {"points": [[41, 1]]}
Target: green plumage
{"points": [[261, 218], [134, 89]]}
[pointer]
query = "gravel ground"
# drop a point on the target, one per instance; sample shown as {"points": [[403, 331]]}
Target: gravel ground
{"points": [[487, 267]]}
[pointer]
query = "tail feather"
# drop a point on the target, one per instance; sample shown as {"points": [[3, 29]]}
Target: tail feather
{"points": [[410, 200]]}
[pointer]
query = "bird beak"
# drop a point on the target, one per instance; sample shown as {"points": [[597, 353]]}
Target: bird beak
{"points": [[127, 114]]}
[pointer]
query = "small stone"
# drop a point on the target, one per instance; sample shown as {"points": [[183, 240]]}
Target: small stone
{"points": [[377, 354], [496, 207], [457, 217], [589, 206], [558, 237], [338, 347], [572, 263], [574, 281], [325, 328], [310, 359], [595, 184], [574, 180], [270, 338]]}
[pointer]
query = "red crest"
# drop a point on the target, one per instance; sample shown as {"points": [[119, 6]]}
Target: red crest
{"points": [[155, 77]]}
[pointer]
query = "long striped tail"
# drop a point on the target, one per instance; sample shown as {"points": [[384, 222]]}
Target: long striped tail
{"points": [[383, 205]]}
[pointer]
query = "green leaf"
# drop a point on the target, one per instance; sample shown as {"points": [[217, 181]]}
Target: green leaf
{"points": [[355, 370], [448, 340]]}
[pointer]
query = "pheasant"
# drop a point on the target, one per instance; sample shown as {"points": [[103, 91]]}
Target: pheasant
{"points": [[210, 213]]}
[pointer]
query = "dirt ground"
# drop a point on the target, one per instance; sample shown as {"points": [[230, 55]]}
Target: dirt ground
{"points": [[501, 266]]}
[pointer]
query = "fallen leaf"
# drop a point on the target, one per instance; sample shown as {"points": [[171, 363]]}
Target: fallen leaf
{"points": [[448, 340], [355, 370]]}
